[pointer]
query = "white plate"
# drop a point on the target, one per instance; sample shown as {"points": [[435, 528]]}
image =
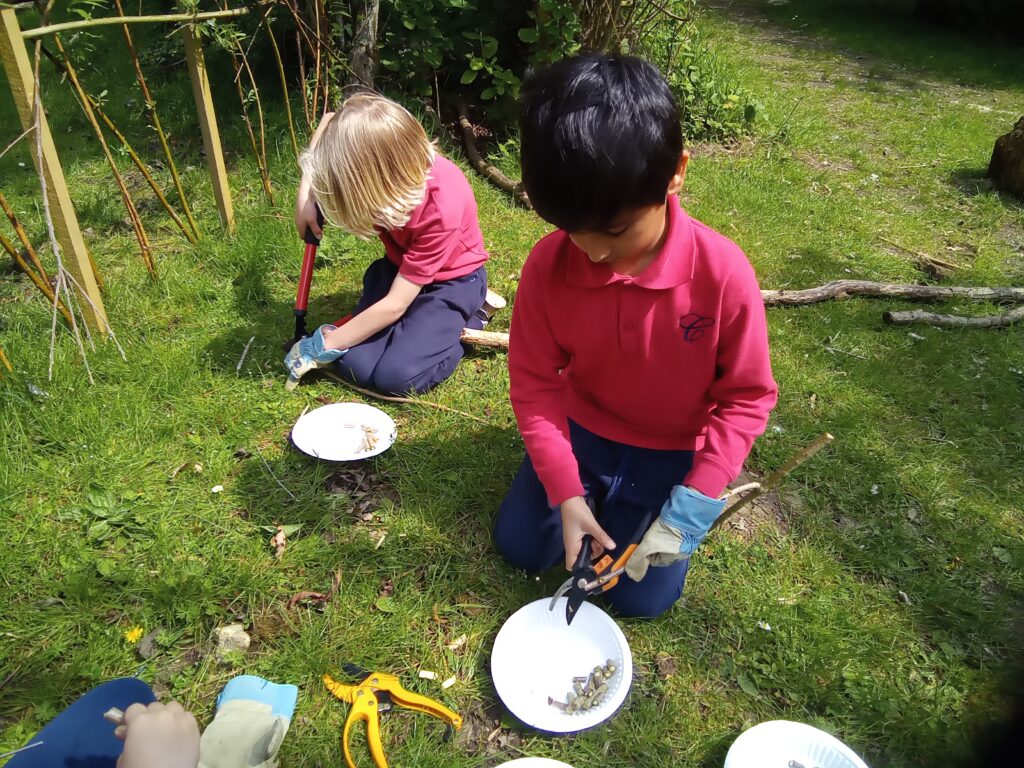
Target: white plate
{"points": [[535, 762], [335, 432], [775, 743], [536, 655]]}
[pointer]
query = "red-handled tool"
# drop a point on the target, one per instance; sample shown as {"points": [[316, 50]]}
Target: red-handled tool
{"points": [[306, 280]]}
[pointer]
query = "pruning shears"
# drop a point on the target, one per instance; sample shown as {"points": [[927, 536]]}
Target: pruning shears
{"points": [[306, 279], [379, 692], [589, 578]]}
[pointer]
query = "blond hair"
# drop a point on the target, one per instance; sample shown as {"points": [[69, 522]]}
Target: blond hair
{"points": [[369, 168]]}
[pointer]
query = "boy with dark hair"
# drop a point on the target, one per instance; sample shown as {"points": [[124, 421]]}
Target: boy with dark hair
{"points": [[639, 353]]}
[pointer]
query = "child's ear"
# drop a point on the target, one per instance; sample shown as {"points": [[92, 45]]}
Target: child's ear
{"points": [[675, 184]]}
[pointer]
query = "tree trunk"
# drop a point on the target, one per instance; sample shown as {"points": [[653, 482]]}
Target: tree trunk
{"points": [[363, 56]]}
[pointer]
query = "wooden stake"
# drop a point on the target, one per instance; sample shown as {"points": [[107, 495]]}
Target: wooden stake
{"points": [[20, 77], [208, 125]]}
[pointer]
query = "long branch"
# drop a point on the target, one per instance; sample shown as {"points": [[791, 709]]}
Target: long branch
{"points": [[155, 119], [484, 168], [1003, 320], [408, 400], [37, 281], [129, 203], [843, 289], [284, 85], [169, 17]]}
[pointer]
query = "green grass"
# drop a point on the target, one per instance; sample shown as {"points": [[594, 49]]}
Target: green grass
{"points": [[920, 493]]}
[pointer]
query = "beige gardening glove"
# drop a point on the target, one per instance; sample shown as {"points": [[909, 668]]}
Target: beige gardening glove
{"points": [[251, 722]]}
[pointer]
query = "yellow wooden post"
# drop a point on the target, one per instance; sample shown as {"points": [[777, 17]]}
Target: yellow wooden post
{"points": [[18, 69], [208, 125]]}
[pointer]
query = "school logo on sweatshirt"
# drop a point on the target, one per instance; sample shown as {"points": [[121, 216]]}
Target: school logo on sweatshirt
{"points": [[693, 326]]}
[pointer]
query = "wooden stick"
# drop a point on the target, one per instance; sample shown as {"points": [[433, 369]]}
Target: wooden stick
{"points": [[775, 477], [843, 289], [98, 109], [261, 153], [484, 168], [241, 360], [485, 338], [155, 120], [169, 17], [20, 232], [393, 399], [42, 285], [923, 257], [284, 86], [955, 321], [126, 198]]}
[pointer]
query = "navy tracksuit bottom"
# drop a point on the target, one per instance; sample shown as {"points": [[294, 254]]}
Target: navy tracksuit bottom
{"points": [[422, 349], [625, 482]]}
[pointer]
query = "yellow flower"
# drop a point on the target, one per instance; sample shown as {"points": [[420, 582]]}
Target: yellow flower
{"points": [[133, 635]]}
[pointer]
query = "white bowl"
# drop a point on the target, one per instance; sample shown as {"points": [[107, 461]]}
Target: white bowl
{"points": [[535, 762], [776, 743], [335, 432], [536, 655]]}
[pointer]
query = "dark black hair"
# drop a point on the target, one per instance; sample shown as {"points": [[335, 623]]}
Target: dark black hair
{"points": [[600, 134]]}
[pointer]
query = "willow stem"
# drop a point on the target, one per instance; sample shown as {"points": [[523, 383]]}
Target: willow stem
{"points": [[43, 286], [284, 85], [155, 118], [20, 232]]}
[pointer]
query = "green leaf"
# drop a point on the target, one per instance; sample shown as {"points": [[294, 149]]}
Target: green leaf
{"points": [[488, 93], [409, 23], [746, 684], [475, 63], [490, 49], [106, 567], [749, 113], [99, 530], [468, 76], [529, 34], [386, 604]]}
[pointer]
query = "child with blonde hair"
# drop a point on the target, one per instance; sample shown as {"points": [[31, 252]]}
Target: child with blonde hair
{"points": [[373, 172]]}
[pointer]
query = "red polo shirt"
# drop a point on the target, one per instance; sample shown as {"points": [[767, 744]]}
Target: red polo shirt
{"points": [[675, 357], [442, 240]]}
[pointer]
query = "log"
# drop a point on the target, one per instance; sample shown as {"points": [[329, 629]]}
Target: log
{"points": [[485, 338], [844, 289], [955, 321], [484, 168]]}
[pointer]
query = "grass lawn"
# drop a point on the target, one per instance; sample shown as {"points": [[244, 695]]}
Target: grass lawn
{"points": [[889, 568]]}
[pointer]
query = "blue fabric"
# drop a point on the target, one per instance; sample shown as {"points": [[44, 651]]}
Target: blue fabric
{"points": [[280, 697], [422, 349], [79, 737], [625, 482], [311, 348], [692, 513]]}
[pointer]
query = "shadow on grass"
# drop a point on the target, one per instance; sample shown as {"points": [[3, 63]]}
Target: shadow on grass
{"points": [[973, 181], [862, 28]]}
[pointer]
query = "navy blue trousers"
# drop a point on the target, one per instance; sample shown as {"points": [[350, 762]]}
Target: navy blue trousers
{"points": [[624, 482], [79, 737], [422, 349]]}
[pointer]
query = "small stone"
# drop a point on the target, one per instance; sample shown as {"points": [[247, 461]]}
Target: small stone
{"points": [[231, 638]]}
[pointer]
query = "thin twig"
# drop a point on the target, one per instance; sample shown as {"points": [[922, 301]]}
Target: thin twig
{"points": [[262, 154], [409, 400], [284, 85], [155, 119], [37, 281], [23, 236], [124, 20], [241, 360], [260, 454], [24, 133]]}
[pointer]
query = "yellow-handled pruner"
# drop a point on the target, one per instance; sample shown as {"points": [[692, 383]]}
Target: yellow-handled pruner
{"points": [[379, 692]]}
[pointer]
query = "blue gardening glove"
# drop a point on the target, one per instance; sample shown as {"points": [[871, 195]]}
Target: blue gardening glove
{"points": [[252, 719], [308, 354], [683, 523]]}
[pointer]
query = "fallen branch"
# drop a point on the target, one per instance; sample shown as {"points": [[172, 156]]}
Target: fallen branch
{"points": [[484, 168], [317, 597], [776, 477], [844, 289], [409, 400], [937, 266], [954, 321], [485, 338]]}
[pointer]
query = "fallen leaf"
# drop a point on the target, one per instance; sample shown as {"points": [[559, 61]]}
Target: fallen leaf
{"points": [[666, 666], [298, 597], [279, 541], [385, 605], [457, 643], [242, 453]]}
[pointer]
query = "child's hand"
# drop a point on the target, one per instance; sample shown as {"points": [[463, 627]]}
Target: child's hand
{"points": [[158, 736], [306, 211], [577, 522]]}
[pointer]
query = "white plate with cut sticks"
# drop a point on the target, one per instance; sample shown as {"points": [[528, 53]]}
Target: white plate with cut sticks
{"points": [[535, 762], [344, 432], [785, 744], [537, 658]]}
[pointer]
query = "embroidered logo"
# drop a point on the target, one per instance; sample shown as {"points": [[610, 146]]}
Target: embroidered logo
{"points": [[693, 326]]}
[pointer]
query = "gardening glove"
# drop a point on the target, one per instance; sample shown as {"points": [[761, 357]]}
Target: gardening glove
{"points": [[308, 354], [684, 521], [252, 718]]}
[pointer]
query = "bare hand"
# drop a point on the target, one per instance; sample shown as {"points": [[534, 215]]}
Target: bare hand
{"points": [[305, 211], [158, 736], [577, 522]]}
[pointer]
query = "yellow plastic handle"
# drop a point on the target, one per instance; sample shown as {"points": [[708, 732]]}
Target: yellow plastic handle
{"points": [[340, 690], [419, 703], [364, 708]]}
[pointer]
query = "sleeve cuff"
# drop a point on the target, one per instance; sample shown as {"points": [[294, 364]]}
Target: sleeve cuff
{"points": [[566, 487], [708, 478], [416, 278]]}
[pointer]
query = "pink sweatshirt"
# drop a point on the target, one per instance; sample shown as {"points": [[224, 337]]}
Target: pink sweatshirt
{"points": [[675, 357]]}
